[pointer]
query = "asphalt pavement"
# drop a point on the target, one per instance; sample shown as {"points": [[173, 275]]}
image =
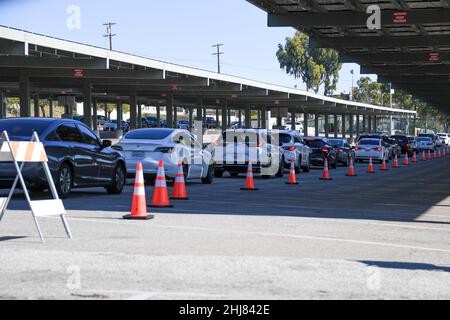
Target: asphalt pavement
{"points": [[376, 236]]}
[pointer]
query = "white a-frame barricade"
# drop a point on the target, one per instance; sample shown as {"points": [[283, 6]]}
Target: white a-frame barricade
{"points": [[19, 153]]}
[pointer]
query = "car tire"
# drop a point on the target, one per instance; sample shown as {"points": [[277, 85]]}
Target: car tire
{"points": [[209, 176], [118, 180], [218, 173], [64, 180]]}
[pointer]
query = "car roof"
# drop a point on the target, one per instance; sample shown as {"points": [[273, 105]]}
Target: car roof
{"points": [[41, 120]]}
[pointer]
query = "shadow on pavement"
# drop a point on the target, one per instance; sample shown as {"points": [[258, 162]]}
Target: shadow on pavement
{"points": [[406, 266]]}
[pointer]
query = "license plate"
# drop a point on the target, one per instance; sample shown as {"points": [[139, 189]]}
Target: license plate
{"points": [[138, 154]]}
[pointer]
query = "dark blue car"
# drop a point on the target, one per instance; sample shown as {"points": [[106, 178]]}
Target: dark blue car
{"points": [[77, 157]]}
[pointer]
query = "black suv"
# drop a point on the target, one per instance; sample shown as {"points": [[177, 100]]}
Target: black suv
{"points": [[404, 144]]}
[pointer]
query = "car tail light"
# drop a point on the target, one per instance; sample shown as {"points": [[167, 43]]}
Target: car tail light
{"points": [[378, 149], [341, 150], [358, 148], [291, 148], [325, 150]]}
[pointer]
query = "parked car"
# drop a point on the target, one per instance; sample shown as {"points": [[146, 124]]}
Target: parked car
{"points": [[152, 122], [445, 137], [111, 126], [294, 149], [425, 144], [101, 120], [77, 157], [238, 147], [344, 150], [405, 145], [183, 124], [150, 146], [371, 148], [321, 149], [211, 123], [236, 125]]}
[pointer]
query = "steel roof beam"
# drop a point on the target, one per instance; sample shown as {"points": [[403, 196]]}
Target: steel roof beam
{"points": [[352, 18], [389, 58]]}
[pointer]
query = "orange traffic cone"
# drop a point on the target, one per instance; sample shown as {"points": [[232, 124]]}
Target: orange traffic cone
{"points": [[424, 158], [179, 188], [406, 160], [435, 154], [439, 154], [396, 165], [371, 169], [351, 169], [292, 176], [249, 182], [139, 206], [429, 155], [384, 165], [326, 171], [414, 159], [160, 193]]}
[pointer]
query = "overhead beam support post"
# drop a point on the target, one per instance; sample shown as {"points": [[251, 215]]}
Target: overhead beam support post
{"points": [[344, 126], [264, 117], [2, 105], [305, 124], [36, 105], [133, 109], [327, 125], [87, 104], [224, 106], [24, 92], [248, 117], [169, 110], [316, 124]]}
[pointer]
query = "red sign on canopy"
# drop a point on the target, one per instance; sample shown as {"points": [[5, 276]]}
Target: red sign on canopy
{"points": [[78, 73], [434, 57], [400, 17]]}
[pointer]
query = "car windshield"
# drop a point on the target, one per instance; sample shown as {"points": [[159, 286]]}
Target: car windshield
{"points": [[336, 143], [23, 128], [314, 143], [369, 142], [148, 134]]}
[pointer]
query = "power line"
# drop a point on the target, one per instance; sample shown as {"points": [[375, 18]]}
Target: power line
{"points": [[109, 34], [218, 54]]}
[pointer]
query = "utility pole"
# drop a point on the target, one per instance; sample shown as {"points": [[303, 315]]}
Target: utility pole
{"points": [[218, 54], [109, 33]]}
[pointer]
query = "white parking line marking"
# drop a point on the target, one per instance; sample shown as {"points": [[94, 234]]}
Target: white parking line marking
{"points": [[268, 234]]}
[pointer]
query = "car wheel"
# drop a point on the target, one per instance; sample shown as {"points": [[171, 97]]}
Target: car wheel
{"points": [[118, 180], [218, 173], [64, 181], [209, 176], [280, 172]]}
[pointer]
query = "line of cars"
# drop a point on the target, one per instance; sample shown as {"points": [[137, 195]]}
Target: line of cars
{"points": [[79, 159]]}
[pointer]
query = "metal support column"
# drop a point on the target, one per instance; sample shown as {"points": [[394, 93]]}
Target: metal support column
{"points": [[335, 125], [364, 124], [119, 116], [191, 118], [344, 126], [224, 104], [305, 124], [375, 124], [369, 124], [36, 106], [327, 125], [87, 103], [263, 118], [2, 105], [316, 124], [94, 115], [358, 131], [169, 110], [139, 115], [24, 92], [50, 107], [175, 117], [248, 117], [133, 109], [351, 125], [158, 116]]}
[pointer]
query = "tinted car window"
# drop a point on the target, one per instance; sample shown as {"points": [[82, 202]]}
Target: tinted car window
{"points": [[148, 134], [69, 133], [285, 138], [314, 143], [23, 128], [88, 136], [337, 143], [369, 142], [402, 139]]}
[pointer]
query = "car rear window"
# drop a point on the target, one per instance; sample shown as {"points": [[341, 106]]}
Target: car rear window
{"points": [[369, 142], [336, 143], [423, 139], [401, 139], [23, 128], [314, 143], [148, 134], [285, 138]]}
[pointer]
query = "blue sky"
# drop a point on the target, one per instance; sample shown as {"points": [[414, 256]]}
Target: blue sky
{"points": [[177, 31]]}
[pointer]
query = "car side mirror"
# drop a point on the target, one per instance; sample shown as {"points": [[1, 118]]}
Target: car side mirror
{"points": [[106, 144]]}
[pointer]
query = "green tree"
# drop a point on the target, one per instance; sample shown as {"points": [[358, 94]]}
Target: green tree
{"points": [[316, 67]]}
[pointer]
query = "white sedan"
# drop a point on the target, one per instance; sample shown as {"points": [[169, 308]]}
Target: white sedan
{"points": [[150, 146], [370, 148]]}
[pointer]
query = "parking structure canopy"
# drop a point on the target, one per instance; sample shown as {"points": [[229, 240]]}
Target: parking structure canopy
{"points": [[410, 47], [36, 65]]}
